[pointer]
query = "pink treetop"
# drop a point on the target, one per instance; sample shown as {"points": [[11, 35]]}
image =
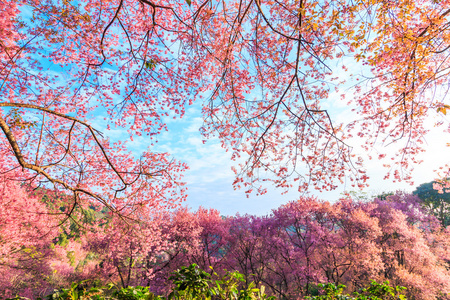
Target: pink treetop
{"points": [[24, 220], [213, 240], [27, 229], [411, 206], [410, 249], [128, 248], [326, 243]]}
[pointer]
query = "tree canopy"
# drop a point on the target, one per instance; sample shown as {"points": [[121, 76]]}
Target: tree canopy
{"points": [[261, 69], [290, 251]]}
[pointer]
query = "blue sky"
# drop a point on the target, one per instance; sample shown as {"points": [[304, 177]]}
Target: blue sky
{"points": [[210, 178]]}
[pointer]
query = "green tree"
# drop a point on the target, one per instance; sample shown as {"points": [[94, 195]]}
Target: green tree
{"points": [[438, 204]]}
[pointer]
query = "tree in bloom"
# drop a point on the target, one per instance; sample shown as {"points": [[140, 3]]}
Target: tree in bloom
{"points": [[266, 67], [27, 230], [308, 241], [413, 207], [319, 242], [413, 251], [53, 80], [181, 232], [213, 240], [248, 250], [72, 260], [126, 250]]}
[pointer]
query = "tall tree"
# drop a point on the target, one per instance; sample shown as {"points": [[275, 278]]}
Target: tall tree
{"points": [[266, 67], [127, 251], [27, 229]]}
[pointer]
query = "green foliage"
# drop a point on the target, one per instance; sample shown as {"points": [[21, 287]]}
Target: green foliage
{"points": [[71, 257], [438, 204], [384, 195], [376, 291], [135, 293], [330, 292], [427, 193], [15, 120], [82, 291], [77, 291], [63, 240], [381, 291], [194, 283], [227, 287], [191, 283], [150, 64]]}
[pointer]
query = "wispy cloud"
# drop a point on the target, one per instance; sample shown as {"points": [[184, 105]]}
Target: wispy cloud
{"points": [[209, 179]]}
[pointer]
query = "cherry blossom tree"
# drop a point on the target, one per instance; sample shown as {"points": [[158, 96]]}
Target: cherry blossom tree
{"points": [[308, 241], [318, 242], [27, 230], [180, 231], [247, 249], [411, 253], [127, 251], [52, 82], [266, 68], [72, 260], [213, 240]]}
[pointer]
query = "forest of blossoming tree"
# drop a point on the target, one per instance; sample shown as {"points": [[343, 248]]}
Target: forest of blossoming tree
{"points": [[298, 245]]}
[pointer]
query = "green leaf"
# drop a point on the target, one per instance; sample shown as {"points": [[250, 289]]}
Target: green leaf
{"points": [[443, 109], [150, 64]]}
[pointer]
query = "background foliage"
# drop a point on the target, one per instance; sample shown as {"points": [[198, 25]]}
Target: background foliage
{"points": [[289, 252]]}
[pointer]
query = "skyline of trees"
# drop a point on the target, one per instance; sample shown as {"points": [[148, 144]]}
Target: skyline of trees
{"points": [[300, 244], [76, 204]]}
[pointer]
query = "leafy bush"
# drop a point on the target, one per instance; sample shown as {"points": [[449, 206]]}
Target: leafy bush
{"points": [[191, 283], [381, 291], [194, 283], [78, 291], [81, 291], [376, 291], [135, 293]]}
